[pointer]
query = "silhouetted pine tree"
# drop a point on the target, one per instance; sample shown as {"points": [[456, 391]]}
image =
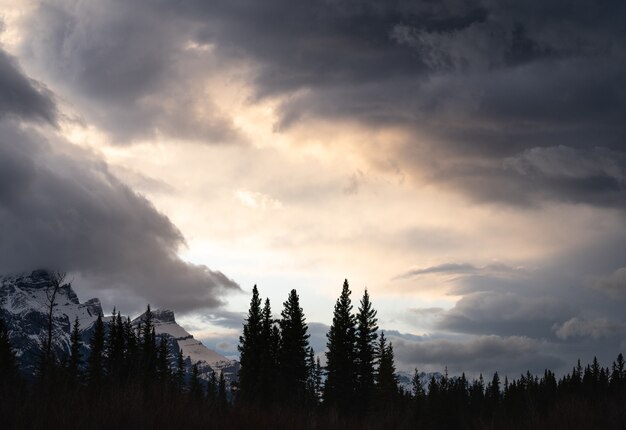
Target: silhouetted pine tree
{"points": [[341, 354], [131, 354], [222, 400], [163, 360], [148, 346], [8, 362], [179, 375], [366, 335], [294, 345], [75, 360], [95, 362], [492, 398], [312, 398], [251, 351], [419, 396], [386, 379], [618, 374], [115, 346], [195, 385], [319, 373], [268, 367], [212, 389]]}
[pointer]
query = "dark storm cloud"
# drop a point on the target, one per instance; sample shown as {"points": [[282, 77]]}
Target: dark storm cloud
{"points": [[128, 68], [485, 86], [482, 83], [61, 208], [508, 355], [21, 97]]}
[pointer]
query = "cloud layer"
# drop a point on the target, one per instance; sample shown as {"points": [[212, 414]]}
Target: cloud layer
{"points": [[61, 208]]}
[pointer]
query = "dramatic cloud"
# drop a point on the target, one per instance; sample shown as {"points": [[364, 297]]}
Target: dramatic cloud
{"points": [[21, 97], [496, 98], [592, 328], [477, 354], [61, 208], [130, 68]]}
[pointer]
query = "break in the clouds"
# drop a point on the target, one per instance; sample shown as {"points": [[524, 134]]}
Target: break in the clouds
{"points": [[61, 208]]}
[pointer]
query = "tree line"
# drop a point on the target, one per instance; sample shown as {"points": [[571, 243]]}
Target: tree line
{"points": [[128, 375], [359, 379]]}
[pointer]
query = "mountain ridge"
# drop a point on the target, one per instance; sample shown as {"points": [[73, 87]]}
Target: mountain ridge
{"points": [[24, 307]]}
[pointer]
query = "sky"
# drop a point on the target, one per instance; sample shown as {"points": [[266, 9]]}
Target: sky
{"points": [[465, 161]]}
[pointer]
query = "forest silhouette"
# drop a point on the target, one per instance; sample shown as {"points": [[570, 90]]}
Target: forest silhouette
{"points": [[132, 378]]}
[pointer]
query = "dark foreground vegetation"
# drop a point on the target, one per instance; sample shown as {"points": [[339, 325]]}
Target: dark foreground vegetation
{"points": [[130, 380]]}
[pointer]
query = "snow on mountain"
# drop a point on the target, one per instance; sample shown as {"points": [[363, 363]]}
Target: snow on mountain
{"points": [[193, 350], [24, 305]]}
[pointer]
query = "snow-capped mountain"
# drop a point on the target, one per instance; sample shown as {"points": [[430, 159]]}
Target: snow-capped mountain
{"points": [[193, 350], [24, 305]]}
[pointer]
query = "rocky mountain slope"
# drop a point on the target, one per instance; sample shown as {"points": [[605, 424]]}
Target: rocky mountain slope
{"points": [[24, 306]]}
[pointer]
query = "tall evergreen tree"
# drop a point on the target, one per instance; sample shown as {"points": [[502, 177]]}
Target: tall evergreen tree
{"points": [[386, 379], [163, 360], [75, 360], [250, 350], [148, 346], [129, 363], [419, 395], [341, 354], [8, 362], [212, 389], [179, 375], [268, 368], [294, 345], [365, 351], [222, 400], [311, 380], [115, 346], [95, 362], [195, 385]]}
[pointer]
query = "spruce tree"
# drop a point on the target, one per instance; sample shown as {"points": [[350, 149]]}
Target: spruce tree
{"points": [[250, 350], [129, 364], [95, 362], [8, 361], [294, 345], [386, 379], [75, 355], [179, 375], [212, 389], [419, 396], [195, 385], [115, 346], [311, 381], [268, 368], [148, 346], [222, 400], [365, 351], [163, 360], [341, 354]]}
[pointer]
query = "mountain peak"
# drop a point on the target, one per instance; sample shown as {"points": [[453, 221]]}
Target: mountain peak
{"points": [[164, 315]]}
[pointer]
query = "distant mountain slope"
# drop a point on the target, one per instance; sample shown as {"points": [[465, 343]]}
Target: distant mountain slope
{"points": [[165, 325], [23, 306]]}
